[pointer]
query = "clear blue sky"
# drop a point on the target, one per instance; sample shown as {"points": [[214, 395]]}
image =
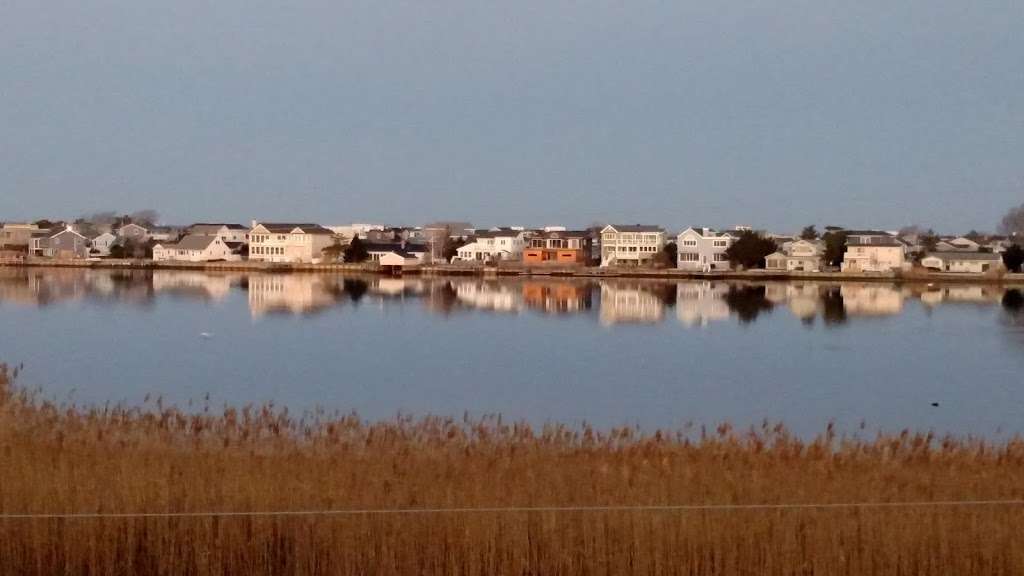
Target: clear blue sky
{"points": [[532, 112]]}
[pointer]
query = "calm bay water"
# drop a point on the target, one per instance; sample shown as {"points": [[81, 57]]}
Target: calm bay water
{"points": [[622, 352]]}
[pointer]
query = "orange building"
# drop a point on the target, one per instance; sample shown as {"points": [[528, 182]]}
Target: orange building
{"points": [[568, 248]]}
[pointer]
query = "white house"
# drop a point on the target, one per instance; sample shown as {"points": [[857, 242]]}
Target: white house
{"points": [[797, 256], [966, 262], [293, 243], [703, 250], [631, 245], [401, 259], [494, 244], [874, 251], [101, 244], [377, 250], [196, 248]]}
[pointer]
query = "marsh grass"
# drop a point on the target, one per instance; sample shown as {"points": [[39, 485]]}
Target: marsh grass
{"points": [[59, 459]]}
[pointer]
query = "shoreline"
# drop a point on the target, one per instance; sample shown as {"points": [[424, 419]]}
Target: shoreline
{"points": [[526, 271]]}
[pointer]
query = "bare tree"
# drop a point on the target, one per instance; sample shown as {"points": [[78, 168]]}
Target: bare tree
{"points": [[147, 216], [1013, 223]]}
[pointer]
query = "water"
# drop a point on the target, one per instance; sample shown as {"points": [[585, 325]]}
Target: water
{"points": [[624, 352]]}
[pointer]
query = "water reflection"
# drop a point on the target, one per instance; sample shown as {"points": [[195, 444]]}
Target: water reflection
{"points": [[611, 302]]}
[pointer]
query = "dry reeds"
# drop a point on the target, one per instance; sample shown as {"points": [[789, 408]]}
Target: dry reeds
{"points": [[61, 459]]}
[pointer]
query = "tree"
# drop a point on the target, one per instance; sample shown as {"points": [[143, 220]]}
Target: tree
{"points": [[1013, 222], [809, 233], [929, 240], [750, 250], [333, 252], [668, 255], [451, 248], [356, 252], [145, 217], [835, 247], [117, 251], [1013, 258]]}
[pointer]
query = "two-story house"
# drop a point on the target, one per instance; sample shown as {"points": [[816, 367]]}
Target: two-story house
{"points": [[631, 245], [797, 256], [492, 245], [703, 250], [285, 242], [565, 247], [65, 244], [874, 251]]}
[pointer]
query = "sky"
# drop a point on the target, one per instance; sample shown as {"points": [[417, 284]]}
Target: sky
{"points": [[775, 114]]}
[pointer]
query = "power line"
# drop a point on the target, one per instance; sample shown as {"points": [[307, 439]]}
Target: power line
{"points": [[516, 510]]}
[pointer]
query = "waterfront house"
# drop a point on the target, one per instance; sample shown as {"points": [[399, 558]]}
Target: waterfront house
{"points": [[377, 250], [703, 250], [966, 262], [101, 244], [564, 247], [401, 258], [797, 256], [631, 245], [288, 243], [66, 244], [197, 248], [874, 251], [492, 245]]}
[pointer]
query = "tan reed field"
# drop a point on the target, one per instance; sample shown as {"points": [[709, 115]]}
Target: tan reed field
{"points": [[60, 459]]}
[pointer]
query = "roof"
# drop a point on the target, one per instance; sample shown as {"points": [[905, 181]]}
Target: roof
{"points": [[635, 228], [201, 227], [563, 234], [287, 227], [707, 232], [398, 247], [979, 256], [501, 233], [191, 242]]}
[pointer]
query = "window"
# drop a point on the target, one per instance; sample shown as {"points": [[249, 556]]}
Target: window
{"points": [[721, 243], [689, 242], [721, 258], [687, 257]]}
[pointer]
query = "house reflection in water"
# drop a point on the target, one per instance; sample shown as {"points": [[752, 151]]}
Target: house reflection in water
{"points": [[291, 293], [633, 303], [872, 299], [962, 294], [553, 297], [700, 303], [804, 300], [194, 284], [489, 295]]}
